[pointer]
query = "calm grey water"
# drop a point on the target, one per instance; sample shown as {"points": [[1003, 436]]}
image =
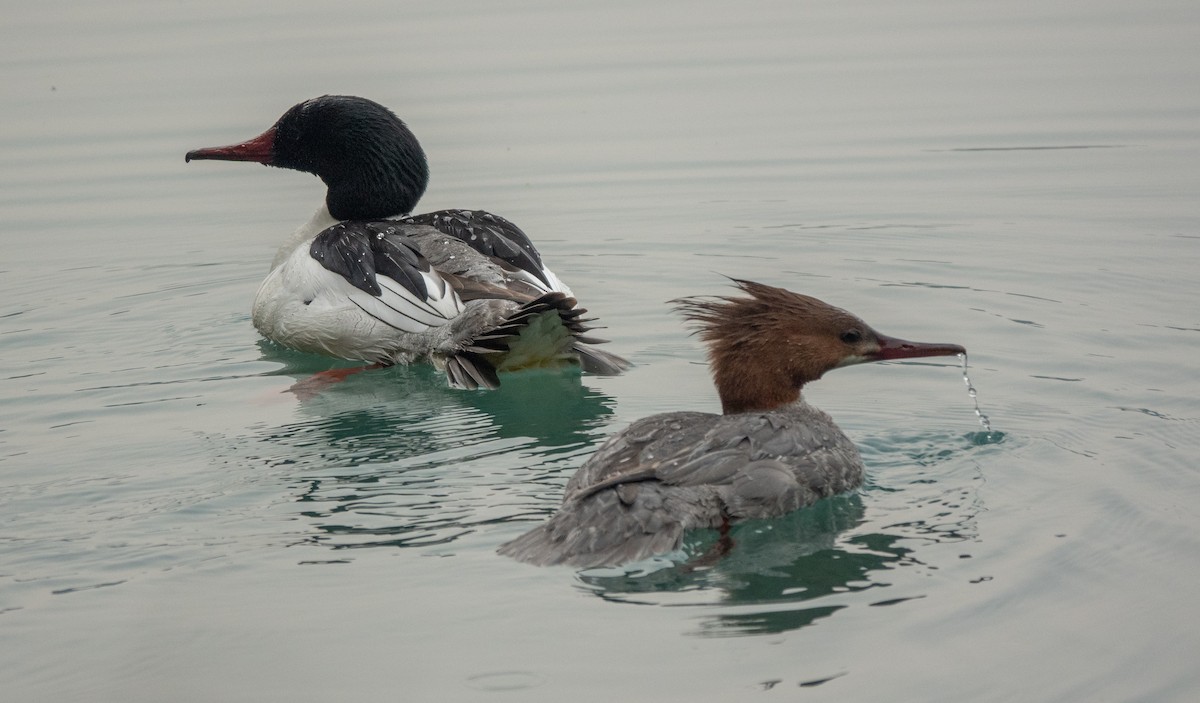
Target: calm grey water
{"points": [[1020, 177]]}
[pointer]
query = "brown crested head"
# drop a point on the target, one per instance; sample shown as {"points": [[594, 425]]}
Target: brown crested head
{"points": [[764, 347]]}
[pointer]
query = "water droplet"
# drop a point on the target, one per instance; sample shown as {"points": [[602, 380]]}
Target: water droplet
{"points": [[983, 419]]}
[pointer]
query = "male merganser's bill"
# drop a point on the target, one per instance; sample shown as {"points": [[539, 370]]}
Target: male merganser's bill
{"points": [[768, 454], [365, 280]]}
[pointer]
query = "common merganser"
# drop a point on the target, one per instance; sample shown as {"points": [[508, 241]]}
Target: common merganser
{"points": [[365, 280], [768, 454]]}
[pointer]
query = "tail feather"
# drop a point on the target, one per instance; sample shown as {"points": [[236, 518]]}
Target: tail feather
{"points": [[487, 347], [617, 526], [600, 362], [543, 547], [503, 347], [588, 339], [469, 370]]}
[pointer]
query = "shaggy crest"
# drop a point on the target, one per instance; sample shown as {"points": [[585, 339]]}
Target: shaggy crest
{"points": [[764, 347], [729, 320]]}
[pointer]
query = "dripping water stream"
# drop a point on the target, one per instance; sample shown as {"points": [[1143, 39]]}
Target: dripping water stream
{"points": [[988, 436]]}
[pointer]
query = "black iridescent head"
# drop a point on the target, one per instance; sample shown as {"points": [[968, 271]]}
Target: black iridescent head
{"points": [[371, 163]]}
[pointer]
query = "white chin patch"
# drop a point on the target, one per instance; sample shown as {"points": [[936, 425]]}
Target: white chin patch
{"points": [[852, 360]]}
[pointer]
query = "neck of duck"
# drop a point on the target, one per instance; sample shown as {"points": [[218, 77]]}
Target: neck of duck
{"points": [[375, 192], [302, 237], [748, 381], [382, 179]]}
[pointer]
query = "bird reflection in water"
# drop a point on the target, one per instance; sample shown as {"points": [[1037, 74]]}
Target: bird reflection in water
{"points": [[395, 458]]}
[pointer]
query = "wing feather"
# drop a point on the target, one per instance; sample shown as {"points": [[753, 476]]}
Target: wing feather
{"points": [[389, 279]]}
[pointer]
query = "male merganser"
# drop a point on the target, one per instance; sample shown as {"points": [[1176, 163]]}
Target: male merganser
{"points": [[365, 280], [768, 454]]}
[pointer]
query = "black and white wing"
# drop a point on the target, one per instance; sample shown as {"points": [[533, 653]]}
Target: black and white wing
{"points": [[388, 279], [492, 236]]}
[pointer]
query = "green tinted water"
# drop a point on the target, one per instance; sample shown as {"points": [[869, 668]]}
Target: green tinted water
{"points": [[1020, 179]]}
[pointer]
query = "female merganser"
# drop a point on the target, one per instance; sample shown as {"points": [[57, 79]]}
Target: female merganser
{"points": [[366, 280], [768, 454]]}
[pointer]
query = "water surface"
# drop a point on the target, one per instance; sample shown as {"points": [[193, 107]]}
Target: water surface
{"points": [[1018, 178]]}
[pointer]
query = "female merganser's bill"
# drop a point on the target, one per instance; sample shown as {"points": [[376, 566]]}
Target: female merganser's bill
{"points": [[365, 280], [768, 454]]}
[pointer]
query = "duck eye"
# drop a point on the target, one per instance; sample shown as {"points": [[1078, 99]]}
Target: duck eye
{"points": [[851, 337]]}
